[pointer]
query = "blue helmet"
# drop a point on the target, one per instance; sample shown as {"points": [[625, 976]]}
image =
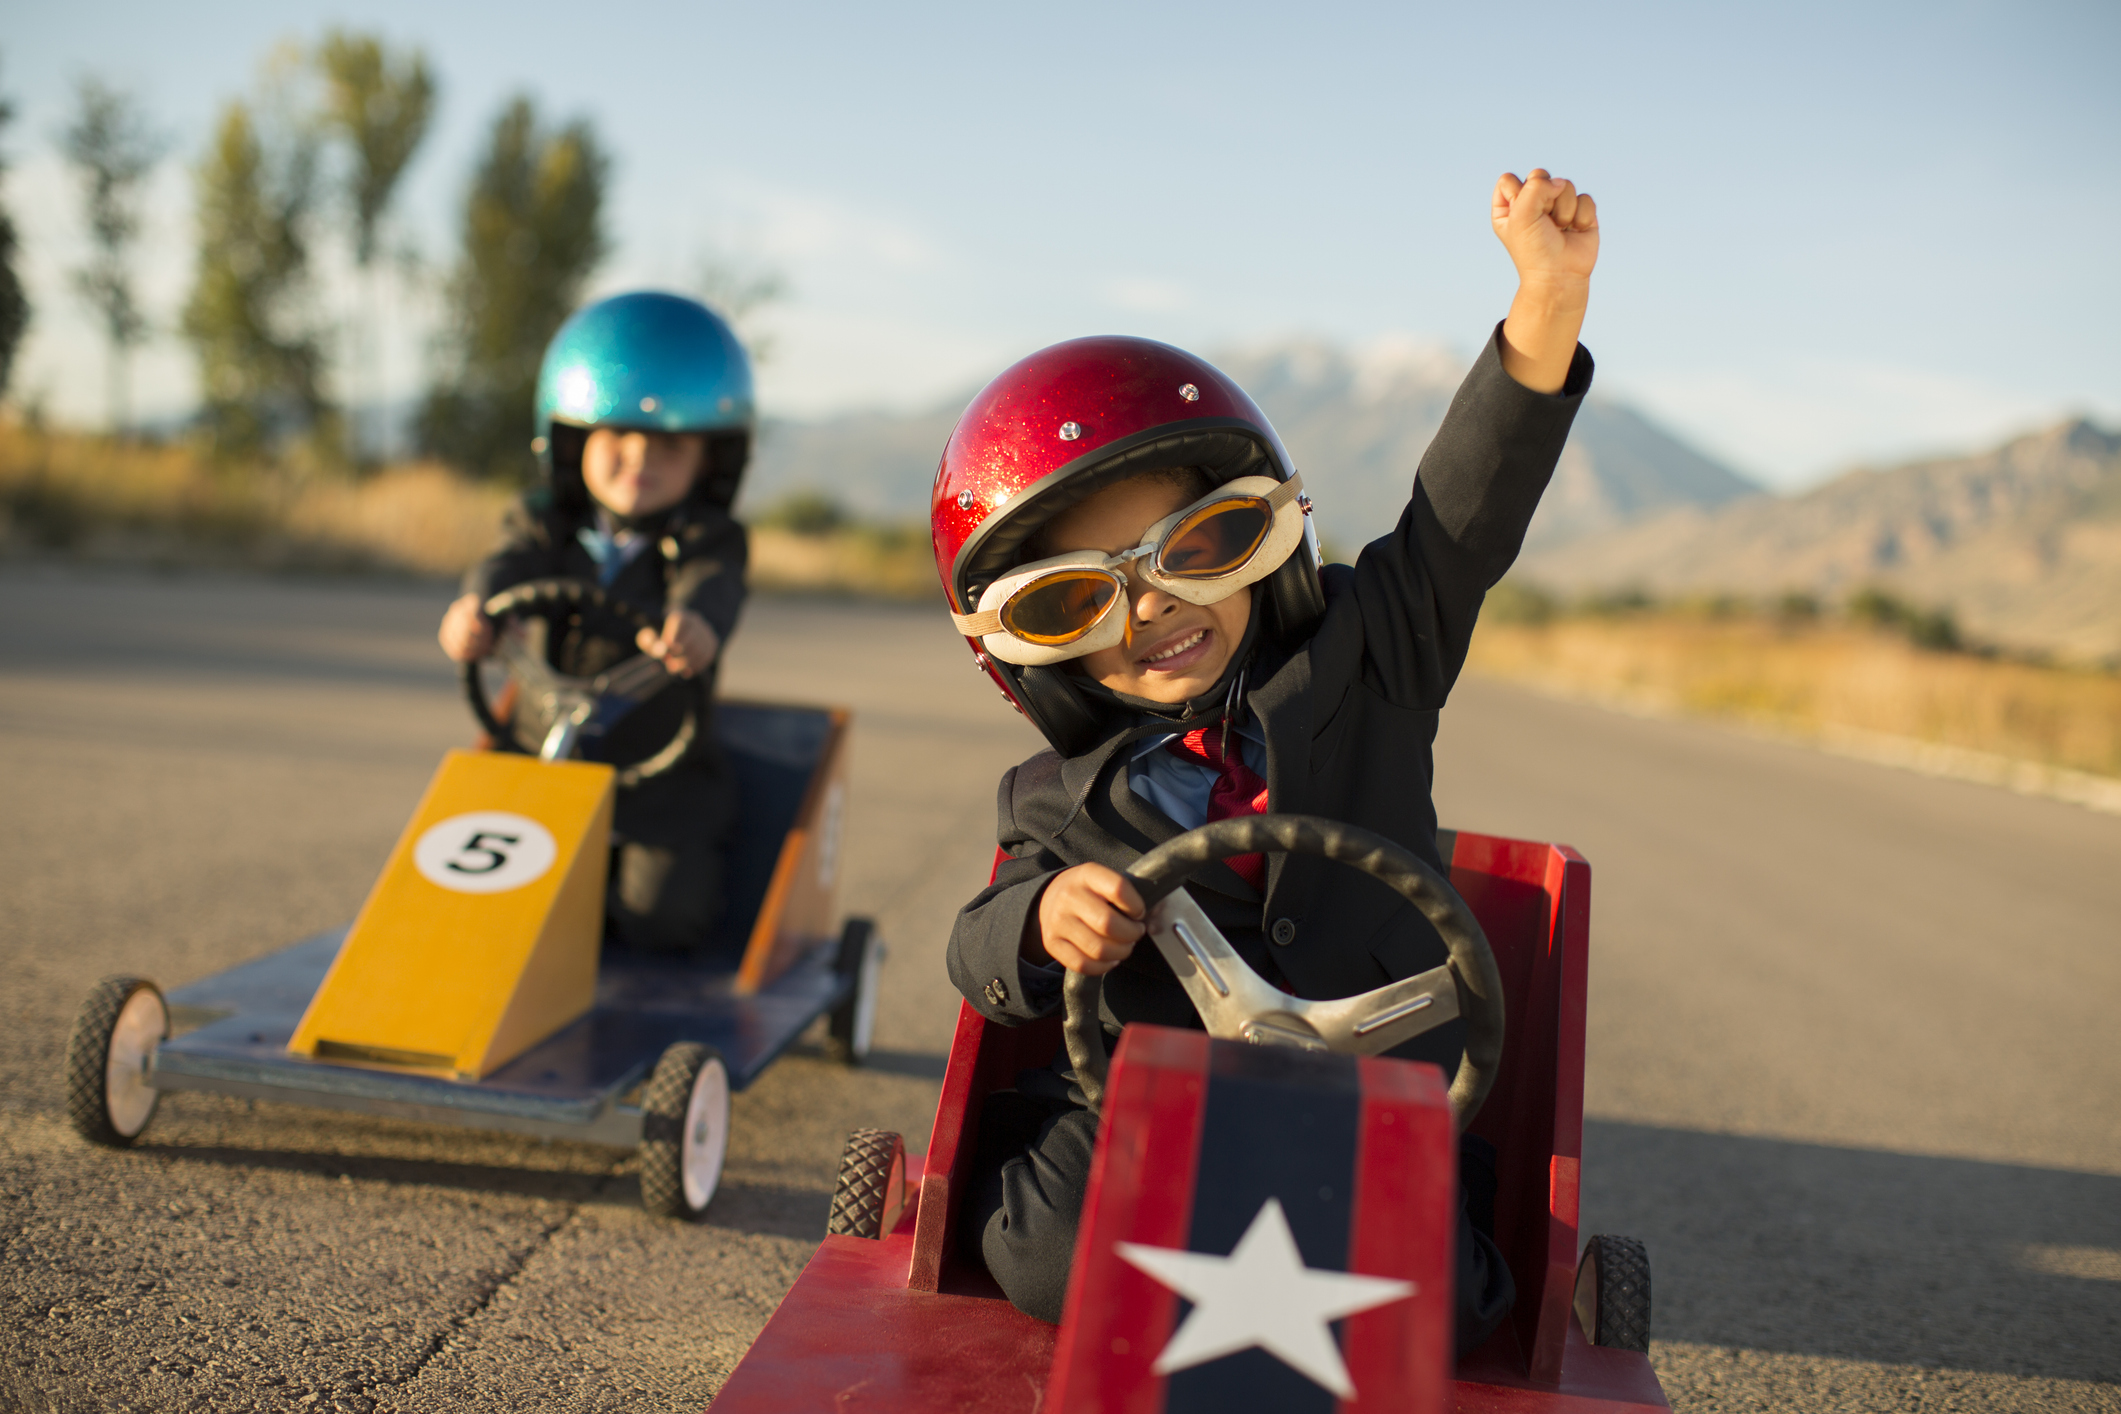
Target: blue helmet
{"points": [[653, 361]]}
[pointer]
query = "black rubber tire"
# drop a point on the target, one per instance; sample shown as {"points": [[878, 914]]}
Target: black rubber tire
{"points": [[88, 1061], [1613, 1293], [848, 1029], [863, 1191], [665, 1099]]}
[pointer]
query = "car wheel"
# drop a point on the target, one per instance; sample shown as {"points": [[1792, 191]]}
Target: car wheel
{"points": [[684, 1131], [871, 1190], [853, 1021], [108, 1096], [1613, 1293]]}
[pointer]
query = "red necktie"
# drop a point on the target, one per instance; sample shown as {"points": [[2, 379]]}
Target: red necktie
{"points": [[1237, 791]]}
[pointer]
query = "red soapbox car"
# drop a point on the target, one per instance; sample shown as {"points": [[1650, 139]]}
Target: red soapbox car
{"points": [[1271, 1209]]}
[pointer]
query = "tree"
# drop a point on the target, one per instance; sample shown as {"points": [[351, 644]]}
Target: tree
{"points": [[114, 148], [379, 104], [740, 292], [533, 233], [14, 305], [260, 362]]}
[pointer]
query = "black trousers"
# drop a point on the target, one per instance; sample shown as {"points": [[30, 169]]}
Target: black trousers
{"points": [[668, 835], [1033, 1165]]}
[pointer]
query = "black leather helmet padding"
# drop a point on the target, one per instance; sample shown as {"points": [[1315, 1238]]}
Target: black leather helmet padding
{"points": [[721, 473], [1054, 700]]}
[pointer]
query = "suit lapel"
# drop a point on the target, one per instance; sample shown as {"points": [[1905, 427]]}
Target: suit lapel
{"points": [[1282, 705], [1155, 827]]}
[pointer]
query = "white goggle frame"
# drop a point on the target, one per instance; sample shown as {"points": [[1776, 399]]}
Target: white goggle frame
{"points": [[1286, 508]]}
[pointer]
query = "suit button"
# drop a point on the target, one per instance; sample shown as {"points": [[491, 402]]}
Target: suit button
{"points": [[1284, 931], [997, 992]]}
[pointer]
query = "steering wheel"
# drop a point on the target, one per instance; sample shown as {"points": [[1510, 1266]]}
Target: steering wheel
{"points": [[1237, 1004], [575, 707]]}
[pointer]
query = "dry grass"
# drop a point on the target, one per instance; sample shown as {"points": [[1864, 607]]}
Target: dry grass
{"points": [[1815, 678], [97, 499], [422, 517], [865, 560]]}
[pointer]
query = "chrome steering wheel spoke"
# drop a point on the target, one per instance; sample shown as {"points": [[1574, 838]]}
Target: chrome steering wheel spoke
{"points": [[1237, 1004], [635, 680]]}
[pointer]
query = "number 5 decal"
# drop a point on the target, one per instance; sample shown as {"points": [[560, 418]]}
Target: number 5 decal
{"points": [[477, 844], [484, 852]]}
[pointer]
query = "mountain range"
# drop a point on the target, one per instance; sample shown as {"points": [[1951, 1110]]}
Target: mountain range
{"points": [[1356, 423], [2021, 542]]}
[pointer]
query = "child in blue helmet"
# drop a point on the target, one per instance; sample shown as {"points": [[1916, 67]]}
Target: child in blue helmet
{"points": [[644, 421]]}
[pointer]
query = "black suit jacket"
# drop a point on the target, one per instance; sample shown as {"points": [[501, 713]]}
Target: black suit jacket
{"points": [[1350, 721]]}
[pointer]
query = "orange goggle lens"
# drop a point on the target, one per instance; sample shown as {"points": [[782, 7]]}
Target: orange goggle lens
{"points": [[1060, 607], [1215, 540]]}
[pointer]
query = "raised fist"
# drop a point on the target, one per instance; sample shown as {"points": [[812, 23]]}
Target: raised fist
{"points": [[1547, 226]]}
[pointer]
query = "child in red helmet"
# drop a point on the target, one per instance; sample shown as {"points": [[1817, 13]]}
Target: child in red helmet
{"points": [[1127, 546]]}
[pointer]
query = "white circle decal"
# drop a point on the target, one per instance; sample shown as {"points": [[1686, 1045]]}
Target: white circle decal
{"points": [[485, 852]]}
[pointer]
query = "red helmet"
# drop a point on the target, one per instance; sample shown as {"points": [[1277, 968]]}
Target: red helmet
{"points": [[1066, 422]]}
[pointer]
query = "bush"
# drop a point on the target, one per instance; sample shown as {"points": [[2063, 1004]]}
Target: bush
{"points": [[1613, 603], [1874, 608], [1934, 629], [1515, 601], [807, 512], [1797, 606]]}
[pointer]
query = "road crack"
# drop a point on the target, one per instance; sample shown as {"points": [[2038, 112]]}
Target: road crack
{"points": [[499, 1280]]}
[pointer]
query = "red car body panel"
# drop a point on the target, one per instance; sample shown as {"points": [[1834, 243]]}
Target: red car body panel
{"points": [[906, 1324]]}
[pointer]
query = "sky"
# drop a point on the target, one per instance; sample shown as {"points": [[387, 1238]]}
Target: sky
{"points": [[1832, 233]]}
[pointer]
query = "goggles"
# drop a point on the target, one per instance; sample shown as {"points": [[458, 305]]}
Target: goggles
{"points": [[1064, 607]]}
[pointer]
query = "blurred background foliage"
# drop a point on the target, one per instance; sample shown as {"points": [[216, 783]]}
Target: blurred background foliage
{"points": [[250, 319], [533, 231], [14, 305], [113, 147], [303, 170]]}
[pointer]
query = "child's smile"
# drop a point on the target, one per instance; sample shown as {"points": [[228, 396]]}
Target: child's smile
{"points": [[1174, 651], [1166, 655], [1176, 655]]}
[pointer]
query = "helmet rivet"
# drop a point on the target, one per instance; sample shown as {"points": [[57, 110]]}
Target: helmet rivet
{"points": [[965, 500], [1190, 393], [649, 405], [1070, 431]]}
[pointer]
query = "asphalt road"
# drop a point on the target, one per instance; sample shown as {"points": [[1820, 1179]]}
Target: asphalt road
{"points": [[1853, 1072]]}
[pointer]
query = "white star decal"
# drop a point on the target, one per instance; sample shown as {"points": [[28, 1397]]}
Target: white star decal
{"points": [[1262, 1294]]}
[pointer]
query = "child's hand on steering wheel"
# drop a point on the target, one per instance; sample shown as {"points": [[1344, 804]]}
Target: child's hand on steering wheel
{"points": [[466, 633], [1089, 919], [686, 645]]}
